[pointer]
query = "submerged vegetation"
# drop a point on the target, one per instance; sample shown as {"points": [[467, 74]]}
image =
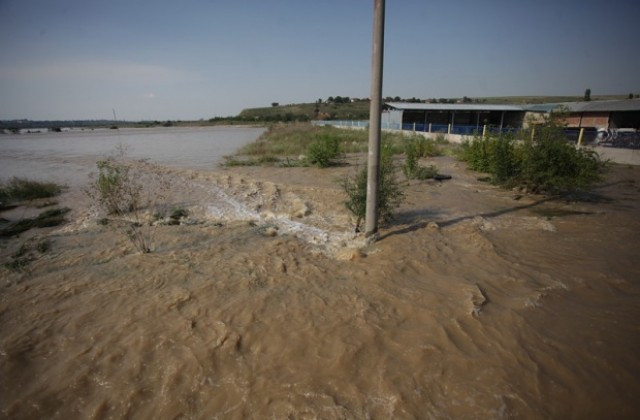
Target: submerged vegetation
{"points": [[48, 218], [27, 253], [18, 190]]}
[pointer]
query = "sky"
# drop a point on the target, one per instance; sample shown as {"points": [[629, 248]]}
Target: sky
{"points": [[198, 59]]}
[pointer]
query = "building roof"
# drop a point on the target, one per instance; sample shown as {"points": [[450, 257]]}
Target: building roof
{"points": [[541, 107], [591, 106], [603, 106], [410, 106]]}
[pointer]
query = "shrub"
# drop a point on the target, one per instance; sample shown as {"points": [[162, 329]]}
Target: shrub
{"points": [[324, 151], [547, 163], [390, 194], [124, 190], [550, 163], [116, 191], [411, 168]]}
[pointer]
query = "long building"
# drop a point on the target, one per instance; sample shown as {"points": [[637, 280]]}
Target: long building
{"points": [[464, 118]]}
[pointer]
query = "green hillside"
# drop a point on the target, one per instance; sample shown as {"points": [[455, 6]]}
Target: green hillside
{"points": [[356, 110]]}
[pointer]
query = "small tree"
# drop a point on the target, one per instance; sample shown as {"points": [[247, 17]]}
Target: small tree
{"points": [[390, 194]]}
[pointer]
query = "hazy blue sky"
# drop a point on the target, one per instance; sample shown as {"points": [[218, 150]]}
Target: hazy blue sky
{"points": [[192, 59]]}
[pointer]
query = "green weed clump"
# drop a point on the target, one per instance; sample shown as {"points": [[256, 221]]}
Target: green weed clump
{"points": [[547, 163], [390, 194], [423, 147], [412, 170], [17, 189]]}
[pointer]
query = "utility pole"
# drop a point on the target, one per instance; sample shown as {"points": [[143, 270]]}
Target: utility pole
{"points": [[373, 164]]}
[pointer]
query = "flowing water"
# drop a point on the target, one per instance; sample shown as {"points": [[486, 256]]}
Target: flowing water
{"points": [[474, 303]]}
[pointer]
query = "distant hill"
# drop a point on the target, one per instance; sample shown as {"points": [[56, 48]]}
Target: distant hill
{"points": [[359, 109], [544, 99], [356, 110]]}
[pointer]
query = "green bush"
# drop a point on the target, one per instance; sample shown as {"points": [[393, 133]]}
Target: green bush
{"points": [[411, 168], [390, 194], [324, 151], [550, 163], [546, 163]]}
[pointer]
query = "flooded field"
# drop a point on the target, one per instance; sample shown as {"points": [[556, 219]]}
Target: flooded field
{"points": [[475, 303], [68, 157]]}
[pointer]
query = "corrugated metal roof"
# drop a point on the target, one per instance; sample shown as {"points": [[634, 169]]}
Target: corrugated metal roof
{"points": [[603, 106], [409, 106], [541, 107], [591, 106]]}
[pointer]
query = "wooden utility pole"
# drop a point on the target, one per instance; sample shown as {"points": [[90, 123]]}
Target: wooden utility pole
{"points": [[373, 164]]}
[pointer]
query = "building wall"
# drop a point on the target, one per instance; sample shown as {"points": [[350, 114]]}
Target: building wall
{"points": [[588, 119], [392, 117]]}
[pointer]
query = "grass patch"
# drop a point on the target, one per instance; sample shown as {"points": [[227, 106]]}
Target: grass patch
{"points": [[303, 144], [17, 189]]}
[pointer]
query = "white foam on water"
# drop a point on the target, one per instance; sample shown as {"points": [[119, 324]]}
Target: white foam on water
{"points": [[227, 208]]}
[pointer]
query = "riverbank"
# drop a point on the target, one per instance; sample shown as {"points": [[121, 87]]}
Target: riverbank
{"points": [[476, 302]]}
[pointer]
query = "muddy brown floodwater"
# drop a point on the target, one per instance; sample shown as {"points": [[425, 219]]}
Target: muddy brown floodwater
{"points": [[475, 303]]}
